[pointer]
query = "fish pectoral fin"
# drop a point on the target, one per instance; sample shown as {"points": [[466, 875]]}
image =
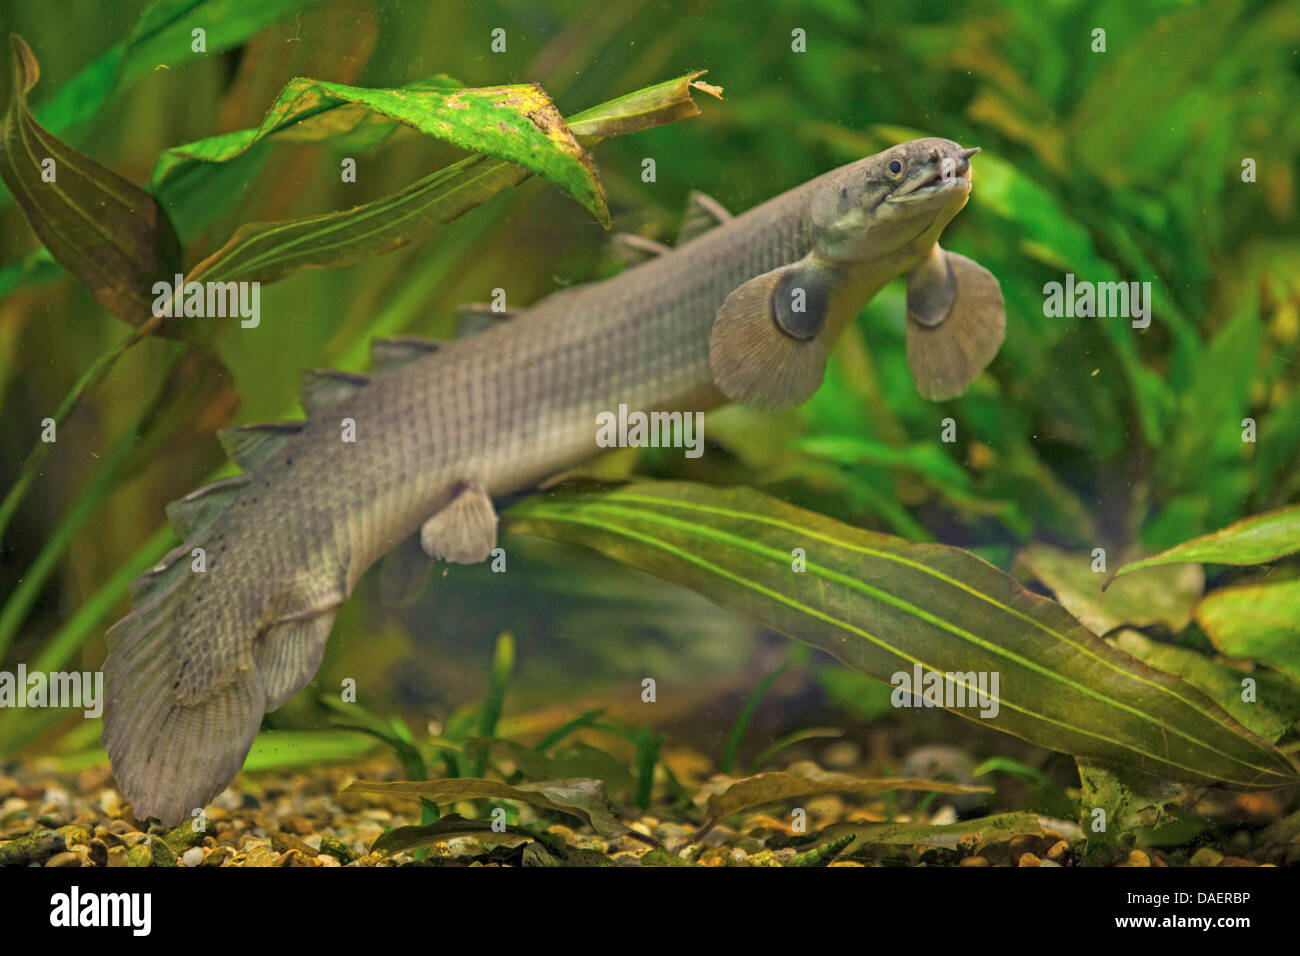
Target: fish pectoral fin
{"points": [[956, 321], [768, 345], [463, 531]]}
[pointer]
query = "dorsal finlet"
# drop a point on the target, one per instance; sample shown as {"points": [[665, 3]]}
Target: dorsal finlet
{"points": [[702, 214], [250, 445], [390, 353], [632, 250], [475, 317], [194, 514], [324, 387]]}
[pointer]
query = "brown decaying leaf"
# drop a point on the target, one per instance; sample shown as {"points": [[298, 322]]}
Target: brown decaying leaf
{"points": [[111, 235], [769, 787], [584, 799]]}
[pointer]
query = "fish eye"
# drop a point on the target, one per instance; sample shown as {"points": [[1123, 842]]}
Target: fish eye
{"points": [[895, 168]]}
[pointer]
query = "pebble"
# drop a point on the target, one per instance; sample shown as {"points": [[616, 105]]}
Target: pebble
{"points": [[295, 858], [1021, 845], [259, 856], [218, 856], [66, 858], [162, 854], [298, 826], [139, 855], [1029, 859], [193, 856], [228, 799], [1058, 851], [34, 848], [98, 852], [109, 803], [841, 755], [117, 856], [974, 861], [287, 842], [1136, 858], [945, 815]]}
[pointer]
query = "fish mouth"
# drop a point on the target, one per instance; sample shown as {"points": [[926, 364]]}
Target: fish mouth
{"points": [[934, 182]]}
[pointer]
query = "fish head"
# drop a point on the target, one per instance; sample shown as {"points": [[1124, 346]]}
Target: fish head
{"points": [[893, 201]]}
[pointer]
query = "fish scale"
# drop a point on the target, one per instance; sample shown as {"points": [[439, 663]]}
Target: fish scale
{"points": [[203, 654]]}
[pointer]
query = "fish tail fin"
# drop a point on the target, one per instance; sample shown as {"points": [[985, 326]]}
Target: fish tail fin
{"points": [[185, 692], [956, 321], [171, 755]]}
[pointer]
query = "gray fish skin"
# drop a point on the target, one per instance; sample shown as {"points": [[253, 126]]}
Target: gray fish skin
{"points": [[204, 654]]}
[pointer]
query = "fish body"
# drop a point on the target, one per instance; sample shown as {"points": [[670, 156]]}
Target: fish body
{"points": [[234, 621]]}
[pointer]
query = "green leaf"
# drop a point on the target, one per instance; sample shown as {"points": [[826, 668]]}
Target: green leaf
{"points": [[1255, 540], [1259, 622], [312, 111], [745, 716], [888, 607], [1273, 711], [162, 35], [111, 235], [275, 749], [1164, 596], [271, 750], [584, 799], [1219, 392], [516, 123], [267, 251]]}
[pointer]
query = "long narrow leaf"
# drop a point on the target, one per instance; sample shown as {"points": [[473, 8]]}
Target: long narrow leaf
{"points": [[884, 606]]}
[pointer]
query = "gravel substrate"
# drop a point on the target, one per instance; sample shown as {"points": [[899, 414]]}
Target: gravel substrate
{"points": [[299, 819]]}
